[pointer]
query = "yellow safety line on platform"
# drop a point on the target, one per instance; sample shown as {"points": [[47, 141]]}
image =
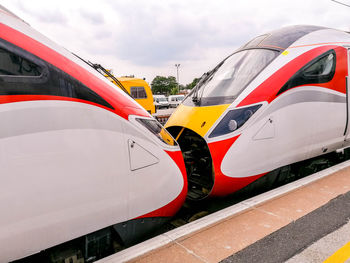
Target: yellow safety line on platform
{"points": [[341, 255]]}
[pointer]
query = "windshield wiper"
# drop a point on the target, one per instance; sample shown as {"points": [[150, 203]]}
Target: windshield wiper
{"points": [[102, 70]]}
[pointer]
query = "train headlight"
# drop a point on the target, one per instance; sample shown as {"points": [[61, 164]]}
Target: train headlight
{"points": [[233, 120], [232, 125]]}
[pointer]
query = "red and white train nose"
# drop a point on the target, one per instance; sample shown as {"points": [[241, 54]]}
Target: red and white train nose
{"points": [[162, 164]]}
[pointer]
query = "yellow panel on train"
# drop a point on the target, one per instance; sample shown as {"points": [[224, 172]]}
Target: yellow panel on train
{"points": [[198, 119]]}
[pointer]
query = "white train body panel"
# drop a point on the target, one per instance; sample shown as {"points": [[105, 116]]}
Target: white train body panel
{"points": [[302, 129], [74, 162], [275, 137], [54, 188]]}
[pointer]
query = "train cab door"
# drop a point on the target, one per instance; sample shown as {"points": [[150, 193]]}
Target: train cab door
{"points": [[347, 125]]}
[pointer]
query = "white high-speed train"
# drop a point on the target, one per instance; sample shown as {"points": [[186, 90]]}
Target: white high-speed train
{"points": [[279, 99], [77, 155]]}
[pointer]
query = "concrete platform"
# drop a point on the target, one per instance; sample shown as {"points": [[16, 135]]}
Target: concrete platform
{"points": [[277, 226]]}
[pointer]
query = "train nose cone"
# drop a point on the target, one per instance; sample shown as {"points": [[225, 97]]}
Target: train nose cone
{"points": [[179, 160], [223, 185], [188, 125], [197, 119], [172, 207]]}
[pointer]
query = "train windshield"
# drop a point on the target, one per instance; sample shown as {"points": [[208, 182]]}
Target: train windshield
{"points": [[158, 130], [232, 76]]}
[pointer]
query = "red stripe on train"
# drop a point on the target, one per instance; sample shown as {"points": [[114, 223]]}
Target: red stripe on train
{"points": [[123, 106], [268, 90]]}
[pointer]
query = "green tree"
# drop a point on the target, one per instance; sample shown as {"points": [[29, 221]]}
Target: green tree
{"points": [[192, 84], [174, 91], [163, 85]]}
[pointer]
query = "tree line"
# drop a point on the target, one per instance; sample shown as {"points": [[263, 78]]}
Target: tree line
{"points": [[169, 85]]}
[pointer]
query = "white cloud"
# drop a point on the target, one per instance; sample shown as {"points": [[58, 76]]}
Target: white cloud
{"points": [[93, 17], [147, 38]]}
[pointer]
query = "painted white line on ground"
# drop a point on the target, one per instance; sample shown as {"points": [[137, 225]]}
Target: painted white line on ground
{"points": [[209, 220]]}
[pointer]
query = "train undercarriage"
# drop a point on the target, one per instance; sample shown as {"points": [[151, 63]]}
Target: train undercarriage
{"points": [[98, 244]]}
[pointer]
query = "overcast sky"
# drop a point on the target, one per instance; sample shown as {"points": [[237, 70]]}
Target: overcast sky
{"points": [[147, 38]]}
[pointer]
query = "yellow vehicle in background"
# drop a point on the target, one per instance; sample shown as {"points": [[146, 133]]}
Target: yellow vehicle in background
{"points": [[140, 91]]}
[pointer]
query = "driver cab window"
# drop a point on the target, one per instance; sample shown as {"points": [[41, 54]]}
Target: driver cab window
{"points": [[14, 65], [138, 92], [319, 70]]}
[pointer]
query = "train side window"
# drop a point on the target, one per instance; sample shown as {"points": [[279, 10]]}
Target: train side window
{"points": [[133, 92], [141, 93], [319, 70], [71, 87], [15, 65], [138, 92], [23, 73]]}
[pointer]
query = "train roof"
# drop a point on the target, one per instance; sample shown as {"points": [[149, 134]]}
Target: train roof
{"points": [[8, 12], [132, 80], [281, 39]]}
